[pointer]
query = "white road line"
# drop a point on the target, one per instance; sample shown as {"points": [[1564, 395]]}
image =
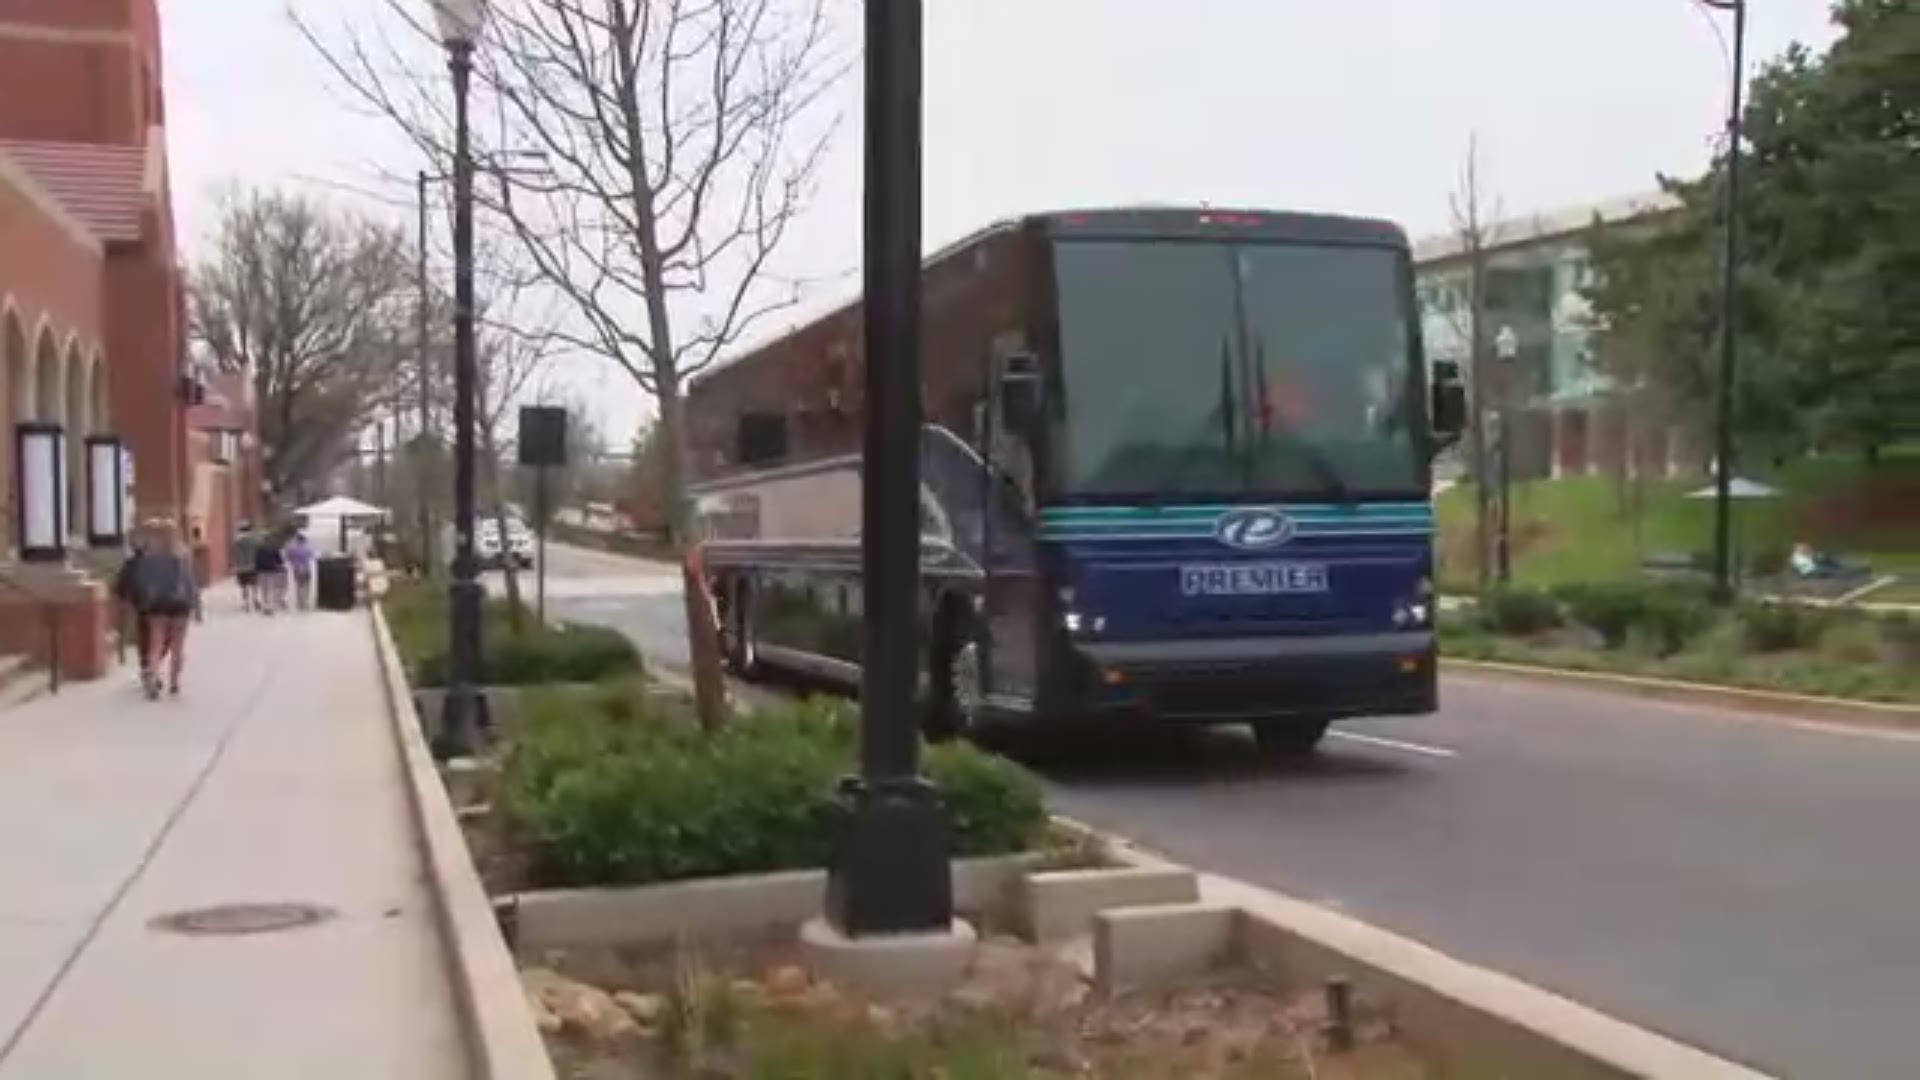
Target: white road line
{"points": [[1394, 744], [1851, 731]]}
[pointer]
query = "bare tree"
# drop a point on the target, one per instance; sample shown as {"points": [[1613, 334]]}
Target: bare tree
{"points": [[316, 304], [675, 161], [1473, 230]]}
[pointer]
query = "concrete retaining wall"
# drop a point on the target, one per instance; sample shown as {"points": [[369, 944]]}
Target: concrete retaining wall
{"points": [[1474, 1021], [502, 1040], [713, 908]]}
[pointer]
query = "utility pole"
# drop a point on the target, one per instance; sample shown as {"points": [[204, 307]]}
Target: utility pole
{"points": [[1723, 569]]}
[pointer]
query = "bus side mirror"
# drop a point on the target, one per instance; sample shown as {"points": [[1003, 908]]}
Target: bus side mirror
{"points": [[1449, 408], [1021, 394]]}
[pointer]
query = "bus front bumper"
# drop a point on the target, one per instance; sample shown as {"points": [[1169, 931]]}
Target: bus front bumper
{"points": [[1226, 680]]}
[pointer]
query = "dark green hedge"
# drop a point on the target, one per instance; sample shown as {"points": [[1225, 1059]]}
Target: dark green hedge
{"points": [[565, 653], [621, 788]]}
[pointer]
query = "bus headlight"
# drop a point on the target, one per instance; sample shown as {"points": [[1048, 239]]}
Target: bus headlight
{"points": [[1076, 623]]}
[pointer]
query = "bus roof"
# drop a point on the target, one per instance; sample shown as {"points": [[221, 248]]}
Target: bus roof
{"points": [[1207, 222], [1140, 222]]}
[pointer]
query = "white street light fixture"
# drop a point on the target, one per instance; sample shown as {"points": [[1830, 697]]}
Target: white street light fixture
{"points": [[41, 464], [106, 491], [461, 22]]}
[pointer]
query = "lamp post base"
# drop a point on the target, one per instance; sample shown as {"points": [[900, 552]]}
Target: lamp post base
{"points": [[464, 721], [890, 874]]}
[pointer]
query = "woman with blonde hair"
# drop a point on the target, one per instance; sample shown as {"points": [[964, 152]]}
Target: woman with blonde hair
{"points": [[166, 593]]}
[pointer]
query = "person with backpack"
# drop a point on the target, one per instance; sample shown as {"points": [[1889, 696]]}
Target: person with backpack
{"points": [[123, 591], [245, 553], [271, 564], [166, 593]]}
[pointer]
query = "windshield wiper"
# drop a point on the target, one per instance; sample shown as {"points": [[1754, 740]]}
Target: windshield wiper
{"points": [[1264, 419]]}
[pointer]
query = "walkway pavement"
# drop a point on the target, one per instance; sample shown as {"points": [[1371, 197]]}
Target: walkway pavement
{"points": [[272, 779]]}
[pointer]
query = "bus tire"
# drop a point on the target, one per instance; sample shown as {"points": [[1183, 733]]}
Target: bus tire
{"points": [[1290, 738], [953, 710], [742, 657]]}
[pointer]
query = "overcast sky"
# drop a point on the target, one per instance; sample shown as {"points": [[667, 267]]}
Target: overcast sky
{"points": [[1363, 107]]}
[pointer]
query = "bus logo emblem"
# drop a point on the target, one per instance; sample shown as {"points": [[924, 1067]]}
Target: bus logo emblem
{"points": [[1253, 528]]}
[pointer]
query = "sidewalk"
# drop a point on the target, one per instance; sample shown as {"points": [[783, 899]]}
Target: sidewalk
{"points": [[272, 780]]}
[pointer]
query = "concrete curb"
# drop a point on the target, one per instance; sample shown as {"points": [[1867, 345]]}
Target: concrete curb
{"points": [[1872, 714], [1474, 1017], [502, 1041], [1470, 1015], [1061, 904]]}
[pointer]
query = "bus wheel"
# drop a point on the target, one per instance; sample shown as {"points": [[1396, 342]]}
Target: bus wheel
{"points": [[737, 633], [1289, 738]]}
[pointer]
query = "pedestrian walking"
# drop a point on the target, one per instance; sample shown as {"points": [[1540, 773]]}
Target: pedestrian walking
{"points": [[167, 595], [301, 558], [270, 563], [245, 552], [129, 603]]}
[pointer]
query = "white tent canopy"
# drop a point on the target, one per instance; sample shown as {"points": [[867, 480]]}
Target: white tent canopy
{"points": [[341, 506], [1737, 488], [337, 526]]}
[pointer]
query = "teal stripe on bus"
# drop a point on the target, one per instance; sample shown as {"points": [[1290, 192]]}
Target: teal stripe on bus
{"points": [[1335, 511]]}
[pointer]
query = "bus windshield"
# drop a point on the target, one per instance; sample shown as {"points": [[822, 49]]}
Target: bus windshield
{"points": [[1216, 369]]}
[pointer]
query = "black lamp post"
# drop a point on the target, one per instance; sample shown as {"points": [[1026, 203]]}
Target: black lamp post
{"points": [[890, 875], [423, 447], [464, 713], [1506, 346], [1723, 422]]}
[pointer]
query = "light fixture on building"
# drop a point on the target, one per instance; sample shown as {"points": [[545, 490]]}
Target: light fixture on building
{"points": [[106, 491], [41, 485]]}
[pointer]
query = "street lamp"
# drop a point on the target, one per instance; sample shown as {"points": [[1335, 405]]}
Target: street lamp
{"points": [[1506, 346], [464, 712], [423, 447], [1723, 420], [890, 874]]}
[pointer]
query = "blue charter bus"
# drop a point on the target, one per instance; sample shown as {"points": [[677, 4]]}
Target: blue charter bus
{"points": [[1176, 464]]}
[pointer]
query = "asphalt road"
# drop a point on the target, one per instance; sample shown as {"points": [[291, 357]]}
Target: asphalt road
{"points": [[1742, 883]]}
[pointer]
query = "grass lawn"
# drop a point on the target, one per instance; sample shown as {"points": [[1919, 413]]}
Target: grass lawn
{"points": [[1576, 529]]}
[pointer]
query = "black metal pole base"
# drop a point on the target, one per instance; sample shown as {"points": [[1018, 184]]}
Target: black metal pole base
{"points": [[464, 715], [465, 720], [893, 842]]}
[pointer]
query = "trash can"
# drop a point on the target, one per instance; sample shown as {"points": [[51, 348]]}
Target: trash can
{"points": [[334, 585]]}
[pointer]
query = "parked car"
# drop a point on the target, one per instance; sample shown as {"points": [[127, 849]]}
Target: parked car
{"points": [[517, 548]]}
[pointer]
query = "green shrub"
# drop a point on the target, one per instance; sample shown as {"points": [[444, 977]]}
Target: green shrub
{"points": [[1851, 641], [991, 806], [1669, 614], [1673, 618], [1902, 633], [638, 794], [417, 613], [1773, 628], [1519, 611]]}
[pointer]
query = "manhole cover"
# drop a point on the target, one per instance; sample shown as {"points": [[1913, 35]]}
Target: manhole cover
{"points": [[242, 919]]}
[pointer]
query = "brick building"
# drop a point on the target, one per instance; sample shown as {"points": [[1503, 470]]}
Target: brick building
{"points": [[92, 305]]}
